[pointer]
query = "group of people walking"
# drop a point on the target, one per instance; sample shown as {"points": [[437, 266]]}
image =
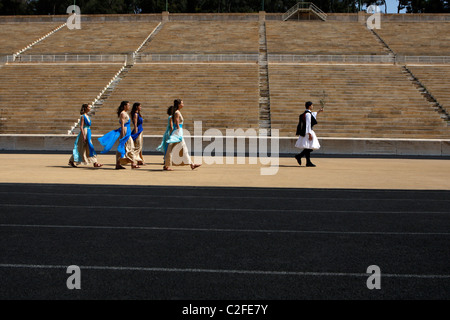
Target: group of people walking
{"points": [[129, 150]]}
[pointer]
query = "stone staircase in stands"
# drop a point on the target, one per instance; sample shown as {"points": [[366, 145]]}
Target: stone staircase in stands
{"points": [[264, 89], [438, 84]]}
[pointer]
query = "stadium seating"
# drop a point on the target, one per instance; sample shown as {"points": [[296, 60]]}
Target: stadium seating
{"points": [[206, 37], [16, 36], [96, 38], [362, 101], [417, 38], [220, 95], [437, 81], [321, 38], [46, 99]]}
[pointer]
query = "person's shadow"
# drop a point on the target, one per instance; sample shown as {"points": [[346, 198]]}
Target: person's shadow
{"points": [[91, 167], [293, 166]]}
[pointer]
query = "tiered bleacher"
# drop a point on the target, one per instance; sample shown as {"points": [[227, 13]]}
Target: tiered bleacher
{"points": [[96, 38], [361, 101], [222, 96], [317, 37], [46, 98], [203, 37], [436, 79], [364, 100], [16, 36], [431, 38]]}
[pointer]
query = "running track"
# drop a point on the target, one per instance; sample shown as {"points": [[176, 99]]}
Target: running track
{"points": [[170, 243]]}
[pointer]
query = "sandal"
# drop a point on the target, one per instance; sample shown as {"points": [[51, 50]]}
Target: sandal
{"points": [[120, 167], [135, 167], [167, 169], [195, 166], [98, 165], [72, 164]]}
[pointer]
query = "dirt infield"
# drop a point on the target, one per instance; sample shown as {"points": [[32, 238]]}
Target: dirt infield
{"points": [[339, 173]]}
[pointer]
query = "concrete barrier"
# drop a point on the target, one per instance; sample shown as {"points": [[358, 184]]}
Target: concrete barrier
{"points": [[343, 17], [329, 146], [84, 18]]}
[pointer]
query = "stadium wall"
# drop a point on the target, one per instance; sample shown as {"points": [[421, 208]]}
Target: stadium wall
{"points": [[349, 17], [329, 146], [64, 143]]}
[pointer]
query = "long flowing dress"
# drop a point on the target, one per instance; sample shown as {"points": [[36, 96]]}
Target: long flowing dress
{"points": [[163, 146], [304, 142], [138, 138], [83, 151], [126, 152], [177, 152]]}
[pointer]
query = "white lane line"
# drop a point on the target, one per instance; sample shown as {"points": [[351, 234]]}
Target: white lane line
{"points": [[227, 230], [214, 209], [224, 271]]}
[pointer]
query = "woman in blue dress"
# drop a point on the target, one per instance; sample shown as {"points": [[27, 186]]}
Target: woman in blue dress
{"points": [[126, 152], [163, 146], [137, 134], [83, 149], [177, 152]]}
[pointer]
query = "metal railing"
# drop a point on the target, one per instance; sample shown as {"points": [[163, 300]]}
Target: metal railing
{"points": [[197, 58], [292, 10], [273, 58], [318, 11], [389, 59], [304, 7], [291, 58], [423, 59], [67, 58]]}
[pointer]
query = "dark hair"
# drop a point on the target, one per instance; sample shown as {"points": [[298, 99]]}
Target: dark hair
{"points": [[121, 107], [84, 108], [135, 109], [169, 110], [176, 106], [176, 103], [308, 104]]}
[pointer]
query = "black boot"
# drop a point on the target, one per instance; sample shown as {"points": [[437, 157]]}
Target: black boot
{"points": [[299, 157], [308, 158]]}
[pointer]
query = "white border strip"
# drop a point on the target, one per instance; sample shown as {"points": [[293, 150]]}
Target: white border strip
{"points": [[226, 230], [225, 271]]}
